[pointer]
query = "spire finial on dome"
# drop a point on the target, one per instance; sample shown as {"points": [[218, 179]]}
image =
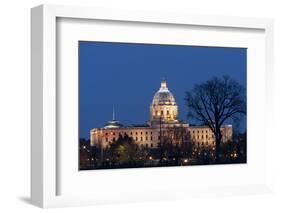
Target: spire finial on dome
{"points": [[113, 113], [163, 84]]}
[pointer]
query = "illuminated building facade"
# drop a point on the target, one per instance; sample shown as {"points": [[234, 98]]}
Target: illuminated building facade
{"points": [[163, 126]]}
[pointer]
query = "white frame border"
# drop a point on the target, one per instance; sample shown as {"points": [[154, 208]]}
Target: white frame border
{"points": [[43, 90]]}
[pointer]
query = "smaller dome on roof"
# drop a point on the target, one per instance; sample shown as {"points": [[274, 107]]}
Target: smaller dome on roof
{"points": [[113, 123]]}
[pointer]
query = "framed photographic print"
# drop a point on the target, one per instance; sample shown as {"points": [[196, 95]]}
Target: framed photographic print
{"points": [[147, 105]]}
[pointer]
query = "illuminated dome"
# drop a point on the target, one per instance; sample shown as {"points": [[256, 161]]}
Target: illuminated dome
{"points": [[163, 106], [163, 96]]}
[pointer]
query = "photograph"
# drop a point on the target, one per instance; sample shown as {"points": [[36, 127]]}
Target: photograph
{"points": [[159, 105]]}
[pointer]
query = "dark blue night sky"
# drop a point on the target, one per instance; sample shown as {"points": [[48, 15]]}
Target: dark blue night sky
{"points": [[126, 76]]}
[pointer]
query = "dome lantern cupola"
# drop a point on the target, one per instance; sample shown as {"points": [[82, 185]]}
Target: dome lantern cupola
{"points": [[164, 85]]}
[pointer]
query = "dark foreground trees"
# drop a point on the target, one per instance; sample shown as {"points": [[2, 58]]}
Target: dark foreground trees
{"points": [[214, 102], [123, 151]]}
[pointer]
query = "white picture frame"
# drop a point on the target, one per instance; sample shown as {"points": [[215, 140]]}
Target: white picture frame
{"points": [[44, 147]]}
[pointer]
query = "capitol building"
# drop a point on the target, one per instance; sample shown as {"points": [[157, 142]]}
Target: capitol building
{"points": [[163, 126]]}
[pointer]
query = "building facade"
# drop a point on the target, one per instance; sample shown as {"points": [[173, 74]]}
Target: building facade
{"points": [[162, 127]]}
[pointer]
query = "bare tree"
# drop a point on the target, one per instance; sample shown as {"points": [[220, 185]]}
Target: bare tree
{"points": [[214, 102]]}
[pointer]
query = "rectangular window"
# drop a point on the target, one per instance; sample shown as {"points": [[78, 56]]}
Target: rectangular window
{"points": [[151, 138]]}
